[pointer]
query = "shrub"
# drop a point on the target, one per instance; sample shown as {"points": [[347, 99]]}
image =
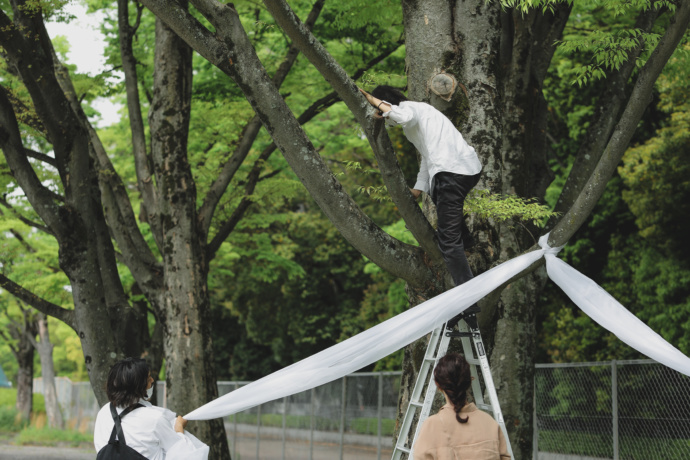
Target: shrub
{"points": [[51, 437], [10, 421]]}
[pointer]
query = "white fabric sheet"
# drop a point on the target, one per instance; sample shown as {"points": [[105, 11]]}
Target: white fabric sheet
{"points": [[403, 329]]}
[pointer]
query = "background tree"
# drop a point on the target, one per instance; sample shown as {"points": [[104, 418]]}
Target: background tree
{"points": [[501, 58], [45, 351], [639, 260], [16, 335], [163, 233]]}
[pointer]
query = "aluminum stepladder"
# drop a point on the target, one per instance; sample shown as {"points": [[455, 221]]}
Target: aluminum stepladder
{"points": [[437, 347]]}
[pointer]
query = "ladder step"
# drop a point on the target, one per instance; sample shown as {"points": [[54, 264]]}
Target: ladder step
{"points": [[470, 338]]}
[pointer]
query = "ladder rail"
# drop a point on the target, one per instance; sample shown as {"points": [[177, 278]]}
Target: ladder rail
{"points": [[491, 388], [430, 356], [430, 389], [467, 350], [436, 348]]}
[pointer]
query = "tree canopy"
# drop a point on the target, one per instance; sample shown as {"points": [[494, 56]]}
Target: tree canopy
{"points": [[180, 234]]}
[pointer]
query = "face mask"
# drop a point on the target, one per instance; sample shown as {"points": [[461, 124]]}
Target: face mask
{"points": [[149, 392]]}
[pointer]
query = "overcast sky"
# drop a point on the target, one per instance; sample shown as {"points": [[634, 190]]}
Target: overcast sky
{"points": [[86, 51]]}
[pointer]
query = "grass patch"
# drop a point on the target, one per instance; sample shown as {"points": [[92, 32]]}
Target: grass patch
{"points": [[8, 398], [52, 437], [10, 419], [358, 425], [370, 426], [601, 445]]}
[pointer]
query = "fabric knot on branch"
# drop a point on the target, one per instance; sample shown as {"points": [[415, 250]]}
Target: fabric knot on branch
{"points": [[544, 244]]}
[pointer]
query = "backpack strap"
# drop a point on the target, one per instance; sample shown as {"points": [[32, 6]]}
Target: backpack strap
{"points": [[117, 429]]}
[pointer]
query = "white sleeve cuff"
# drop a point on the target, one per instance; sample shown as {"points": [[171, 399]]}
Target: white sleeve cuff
{"points": [[422, 185], [400, 115]]}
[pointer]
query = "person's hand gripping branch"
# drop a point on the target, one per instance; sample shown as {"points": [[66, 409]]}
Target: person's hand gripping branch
{"points": [[383, 107], [380, 105]]}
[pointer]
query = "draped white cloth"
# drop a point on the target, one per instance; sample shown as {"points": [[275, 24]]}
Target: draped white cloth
{"points": [[403, 329]]}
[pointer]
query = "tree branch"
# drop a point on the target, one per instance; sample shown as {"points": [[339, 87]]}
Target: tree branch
{"points": [[41, 157], [40, 304], [378, 137], [28, 117], [122, 224], [637, 103], [603, 122], [249, 134], [316, 108], [252, 179], [40, 197], [136, 122], [232, 52], [28, 222]]}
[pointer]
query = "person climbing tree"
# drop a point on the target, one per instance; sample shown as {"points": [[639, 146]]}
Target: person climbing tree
{"points": [[449, 169]]}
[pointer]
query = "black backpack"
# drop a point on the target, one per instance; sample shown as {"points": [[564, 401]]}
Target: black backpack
{"points": [[117, 449]]}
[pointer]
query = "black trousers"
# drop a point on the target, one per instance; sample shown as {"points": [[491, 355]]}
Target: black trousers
{"points": [[448, 194]]}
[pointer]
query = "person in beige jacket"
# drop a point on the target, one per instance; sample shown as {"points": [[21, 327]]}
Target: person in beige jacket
{"points": [[459, 430]]}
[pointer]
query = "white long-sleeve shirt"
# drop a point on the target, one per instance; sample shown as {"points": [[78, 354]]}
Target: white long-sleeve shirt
{"points": [[149, 430], [441, 145]]}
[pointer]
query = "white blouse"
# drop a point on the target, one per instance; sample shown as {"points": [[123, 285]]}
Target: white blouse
{"points": [[441, 145], [149, 430]]}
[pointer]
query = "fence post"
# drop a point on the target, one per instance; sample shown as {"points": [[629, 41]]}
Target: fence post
{"points": [[258, 429], [614, 407], [535, 424], [284, 425], [342, 416], [379, 414], [234, 429], [311, 431]]}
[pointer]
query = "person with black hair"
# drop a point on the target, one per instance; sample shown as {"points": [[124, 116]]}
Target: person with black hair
{"points": [[449, 169], [152, 431], [459, 429]]}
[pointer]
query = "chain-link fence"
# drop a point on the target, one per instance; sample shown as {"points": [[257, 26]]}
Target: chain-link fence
{"points": [[616, 410], [330, 421], [349, 418]]}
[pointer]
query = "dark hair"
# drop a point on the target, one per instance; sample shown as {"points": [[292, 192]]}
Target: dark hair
{"points": [[389, 94], [452, 375], [127, 382]]}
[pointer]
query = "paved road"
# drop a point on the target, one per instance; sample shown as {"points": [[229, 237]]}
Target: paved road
{"points": [[10, 452], [269, 449]]}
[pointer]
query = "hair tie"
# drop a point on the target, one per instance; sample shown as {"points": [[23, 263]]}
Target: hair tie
{"points": [[379, 106]]}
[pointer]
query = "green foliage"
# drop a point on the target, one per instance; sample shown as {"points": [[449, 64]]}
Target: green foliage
{"points": [[600, 35], [581, 443], [373, 78], [52, 437], [616, 7], [655, 173], [10, 420], [608, 50], [8, 398], [359, 425], [488, 205]]}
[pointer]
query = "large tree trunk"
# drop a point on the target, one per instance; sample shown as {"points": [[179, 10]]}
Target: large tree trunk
{"points": [[86, 253], [23, 352], [190, 374], [25, 377], [491, 55], [45, 352]]}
